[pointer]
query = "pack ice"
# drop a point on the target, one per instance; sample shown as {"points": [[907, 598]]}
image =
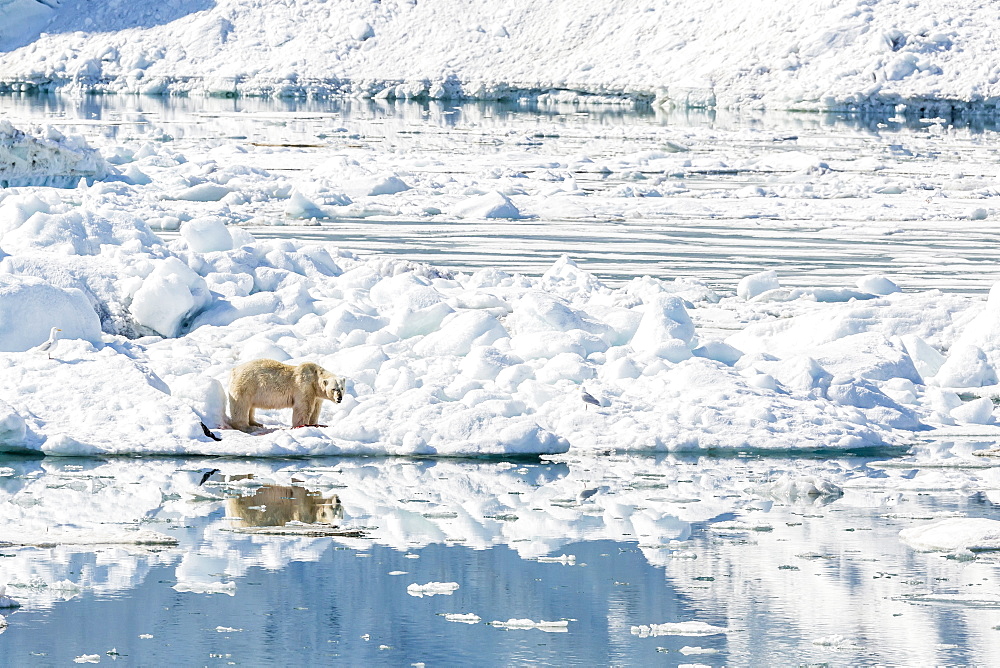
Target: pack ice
{"points": [[438, 362]]}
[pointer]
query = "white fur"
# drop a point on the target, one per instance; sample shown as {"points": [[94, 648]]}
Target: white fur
{"points": [[270, 384]]}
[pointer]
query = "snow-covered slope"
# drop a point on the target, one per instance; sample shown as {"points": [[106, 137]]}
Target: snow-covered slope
{"points": [[933, 56]]}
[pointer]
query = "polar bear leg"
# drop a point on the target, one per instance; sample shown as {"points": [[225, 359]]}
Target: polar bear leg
{"points": [[316, 408], [300, 412], [239, 414]]}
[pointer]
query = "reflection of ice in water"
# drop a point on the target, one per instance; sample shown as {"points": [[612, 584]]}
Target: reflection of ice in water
{"points": [[202, 574], [840, 554]]}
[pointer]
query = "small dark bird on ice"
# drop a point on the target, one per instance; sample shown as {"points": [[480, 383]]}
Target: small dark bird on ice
{"points": [[209, 432]]}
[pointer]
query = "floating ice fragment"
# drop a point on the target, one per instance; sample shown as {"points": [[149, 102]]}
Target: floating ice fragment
{"points": [[740, 526], [677, 629], [226, 629], [463, 617], [196, 587], [976, 534], [688, 649], [7, 601], [397, 572], [565, 559], [5, 471], [792, 488], [835, 641], [88, 658], [965, 600], [431, 588], [146, 636], [524, 624]]}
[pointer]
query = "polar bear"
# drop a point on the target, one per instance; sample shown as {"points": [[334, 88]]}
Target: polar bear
{"points": [[268, 383]]}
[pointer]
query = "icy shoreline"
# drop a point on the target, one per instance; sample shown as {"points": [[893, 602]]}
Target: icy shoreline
{"points": [[837, 56]]}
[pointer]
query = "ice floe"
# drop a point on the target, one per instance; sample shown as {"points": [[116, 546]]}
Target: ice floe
{"points": [[974, 534], [677, 629], [560, 626], [7, 601], [463, 617], [564, 559], [431, 588]]}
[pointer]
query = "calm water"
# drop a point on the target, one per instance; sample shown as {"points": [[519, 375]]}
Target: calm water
{"points": [[664, 540]]}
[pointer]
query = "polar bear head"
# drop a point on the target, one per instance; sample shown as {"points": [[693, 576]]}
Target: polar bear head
{"points": [[333, 387]]}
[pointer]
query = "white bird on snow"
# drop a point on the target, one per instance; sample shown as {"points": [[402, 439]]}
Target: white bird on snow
{"points": [[589, 398], [50, 344]]}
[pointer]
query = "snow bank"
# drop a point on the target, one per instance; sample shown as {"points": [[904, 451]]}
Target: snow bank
{"points": [[89, 400], [787, 55], [30, 307]]}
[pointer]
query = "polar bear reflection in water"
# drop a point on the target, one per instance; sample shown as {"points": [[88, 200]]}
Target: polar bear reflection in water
{"points": [[276, 505]]}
